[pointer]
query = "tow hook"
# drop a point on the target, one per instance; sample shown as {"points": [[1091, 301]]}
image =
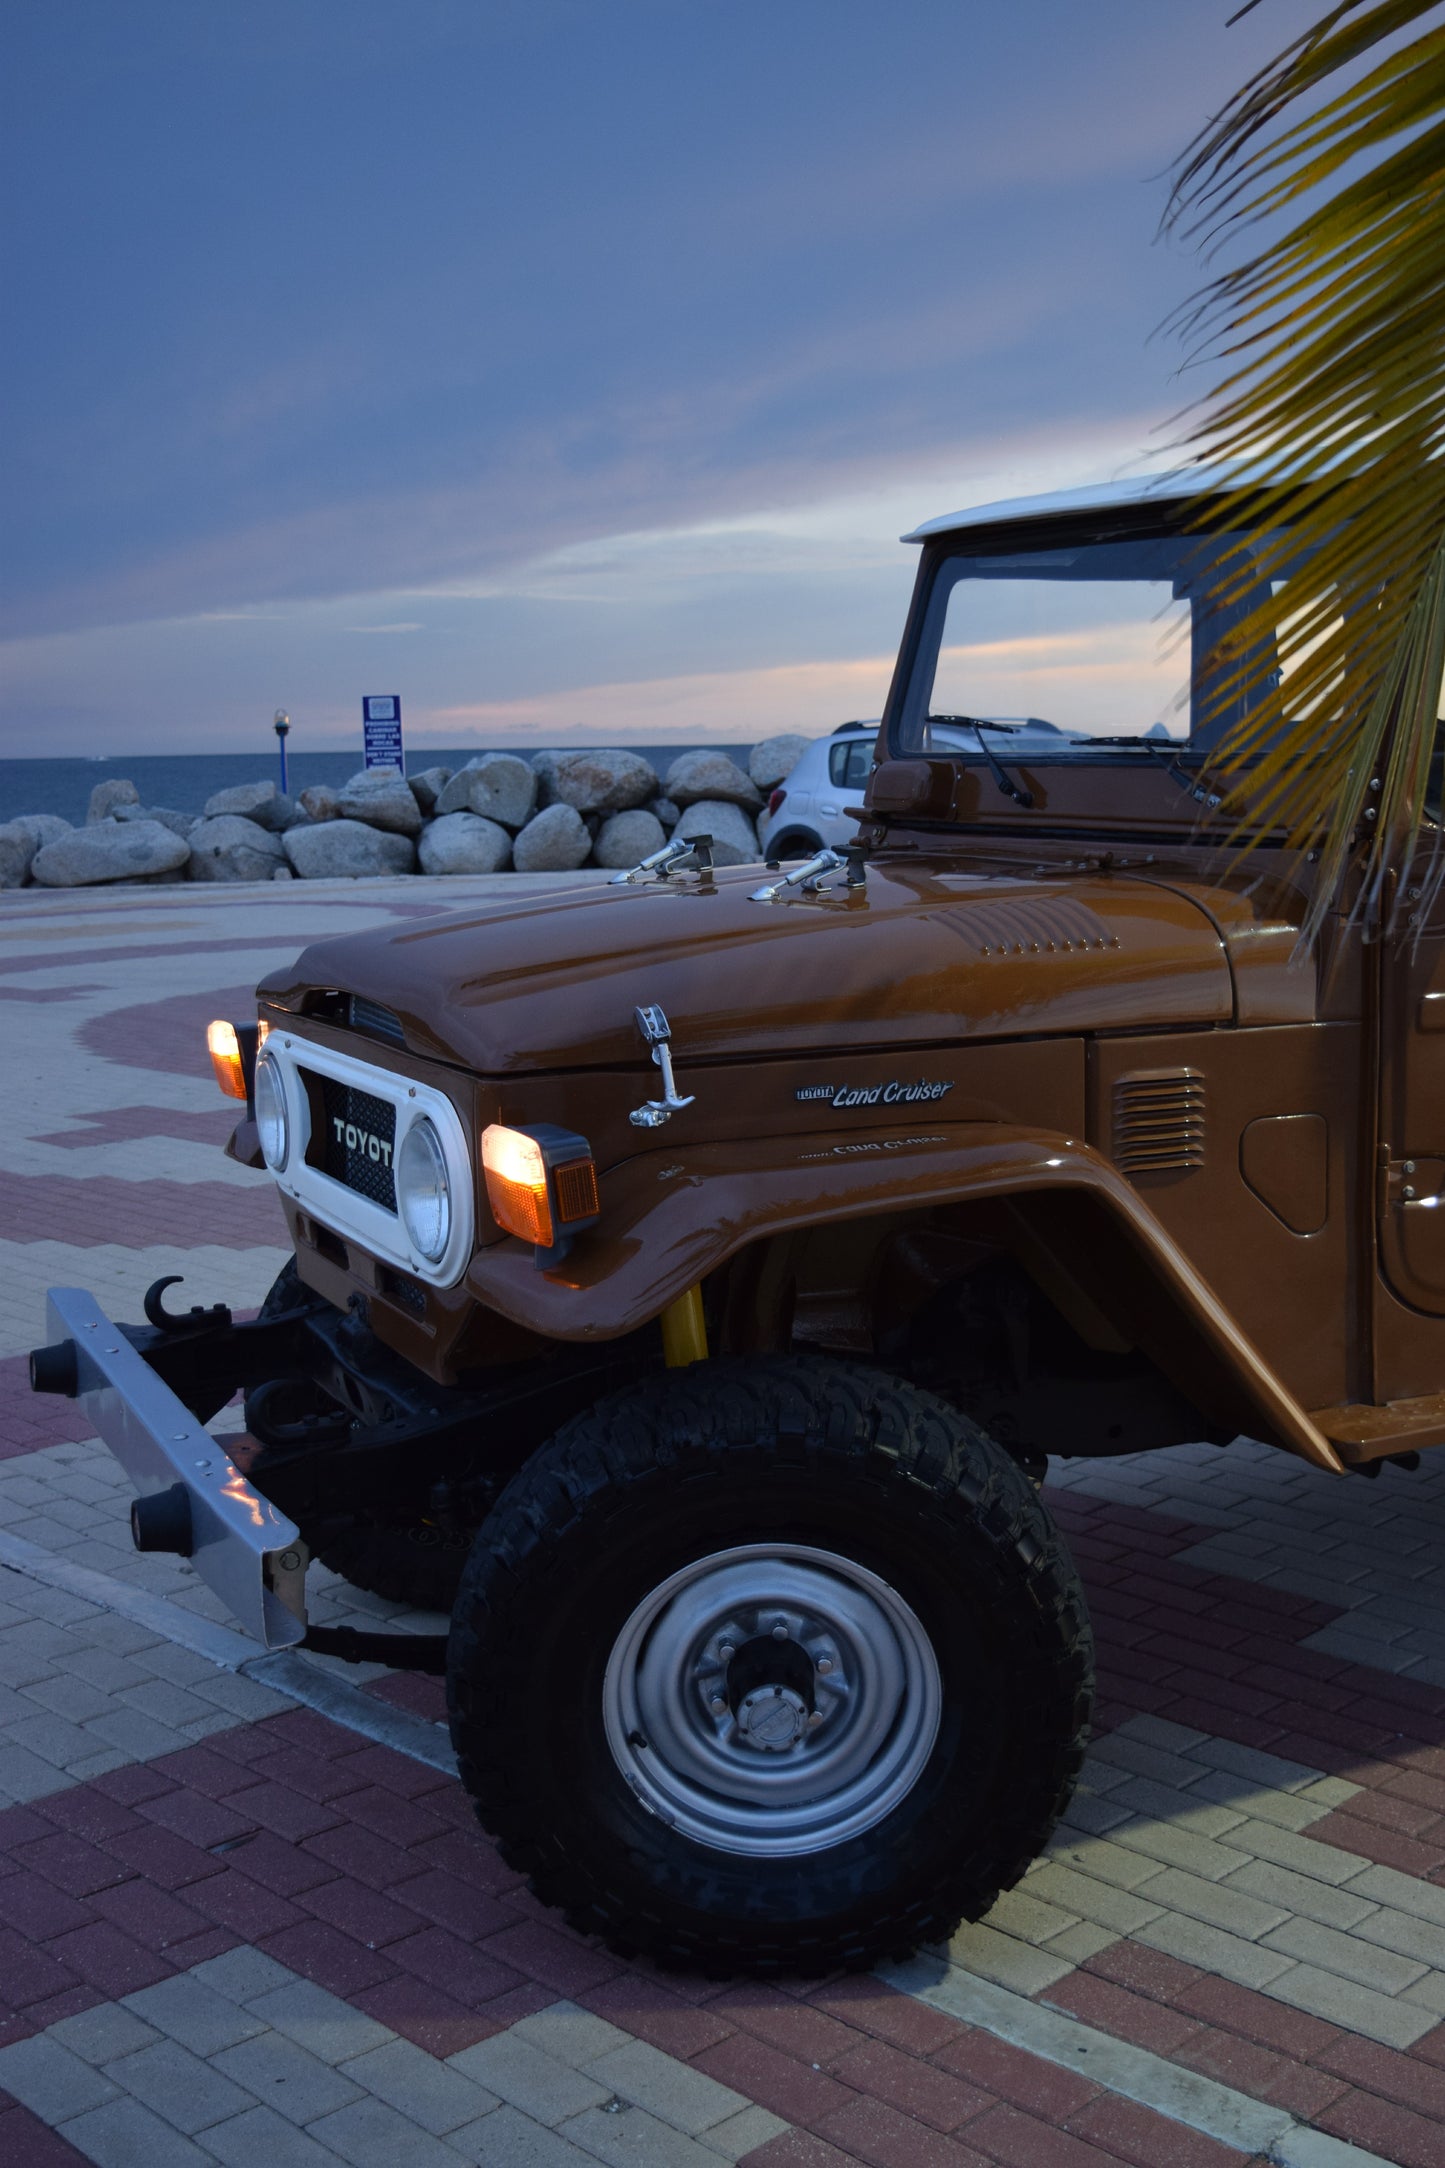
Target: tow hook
{"points": [[192, 1320]]}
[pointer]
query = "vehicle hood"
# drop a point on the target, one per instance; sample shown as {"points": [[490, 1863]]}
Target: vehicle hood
{"points": [[922, 955]]}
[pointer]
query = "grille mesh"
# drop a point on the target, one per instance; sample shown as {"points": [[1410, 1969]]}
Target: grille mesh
{"points": [[357, 1135], [1159, 1121]]}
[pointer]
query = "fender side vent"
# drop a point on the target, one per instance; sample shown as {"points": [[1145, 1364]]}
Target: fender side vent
{"points": [[1159, 1121], [1048, 925]]}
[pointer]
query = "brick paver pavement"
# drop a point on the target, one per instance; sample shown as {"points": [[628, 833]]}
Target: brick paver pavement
{"points": [[233, 1926]]}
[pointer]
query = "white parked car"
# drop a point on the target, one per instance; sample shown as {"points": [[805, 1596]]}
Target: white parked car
{"points": [[806, 811]]}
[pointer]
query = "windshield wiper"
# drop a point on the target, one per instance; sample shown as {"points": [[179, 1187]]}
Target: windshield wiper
{"points": [[1167, 751], [978, 725]]}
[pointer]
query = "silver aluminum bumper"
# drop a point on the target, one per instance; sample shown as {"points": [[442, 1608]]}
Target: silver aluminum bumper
{"points": [[250, 1554]]}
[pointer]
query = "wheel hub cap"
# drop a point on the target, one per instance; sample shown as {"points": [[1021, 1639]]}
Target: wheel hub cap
{"points": [[772, 1700], [772, 1717]]}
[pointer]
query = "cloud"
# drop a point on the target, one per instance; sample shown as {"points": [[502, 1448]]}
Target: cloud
{"points": [[729, 707]]}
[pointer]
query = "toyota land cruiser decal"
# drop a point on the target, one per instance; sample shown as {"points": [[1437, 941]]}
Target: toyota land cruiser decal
{"points": [[894, 1094]]}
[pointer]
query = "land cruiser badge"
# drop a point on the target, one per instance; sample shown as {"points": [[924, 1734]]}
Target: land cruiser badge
{"points": [[898, 1093]]}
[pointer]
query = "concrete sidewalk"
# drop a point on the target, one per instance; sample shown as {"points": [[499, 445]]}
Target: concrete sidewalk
{"points": [[245, 1911]]}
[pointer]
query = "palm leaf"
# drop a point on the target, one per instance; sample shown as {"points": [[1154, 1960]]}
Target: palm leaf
{"points": [[1327, 343]]}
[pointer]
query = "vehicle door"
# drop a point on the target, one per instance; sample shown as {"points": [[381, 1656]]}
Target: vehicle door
{"points": [[1410, 1171]]}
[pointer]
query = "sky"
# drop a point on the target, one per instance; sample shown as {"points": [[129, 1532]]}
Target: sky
{"points": [[570, 367]]}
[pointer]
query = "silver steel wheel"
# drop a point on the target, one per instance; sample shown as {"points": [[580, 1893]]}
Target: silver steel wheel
{"points": [[772, 1700]]}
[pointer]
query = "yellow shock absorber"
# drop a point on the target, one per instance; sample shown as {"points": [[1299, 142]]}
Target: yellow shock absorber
{"points": [[684, 1330]]}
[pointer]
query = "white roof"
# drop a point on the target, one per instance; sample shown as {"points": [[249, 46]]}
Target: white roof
{"points": [[1095, 496]]}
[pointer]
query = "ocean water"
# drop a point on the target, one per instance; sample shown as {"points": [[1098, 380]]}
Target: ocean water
{"points": [[185, 781]]}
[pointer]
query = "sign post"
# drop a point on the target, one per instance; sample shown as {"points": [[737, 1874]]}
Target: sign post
{"points": [[381, 731]]}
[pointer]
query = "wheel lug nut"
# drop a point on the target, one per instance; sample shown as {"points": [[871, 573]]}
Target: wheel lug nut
{"points": [[726, 1653], [780, 1631], [825, 1664], [718, 1705], [815, 1719]]}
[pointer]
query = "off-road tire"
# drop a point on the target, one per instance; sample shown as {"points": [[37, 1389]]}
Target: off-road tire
{"points": [[794, 1450], [409, 1563]]}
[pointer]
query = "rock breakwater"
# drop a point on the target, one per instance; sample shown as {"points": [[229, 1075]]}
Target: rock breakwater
{"points": [[552, 813]]}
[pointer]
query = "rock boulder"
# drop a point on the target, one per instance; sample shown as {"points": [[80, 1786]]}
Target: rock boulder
{"points": [[21, 838], [427, 787], [605, 781], [464, 843], [179, 824], [348, 850], [109, 851], [734, 840], [107, 796], [259, 802], [379, 797], [320, 803], [496, 786], [228, 848], [626, 838], [554, 842], [41, 828], [695, 777], [16, 852], [775, 759]]}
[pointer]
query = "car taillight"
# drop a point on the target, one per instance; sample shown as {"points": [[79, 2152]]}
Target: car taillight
{"points": [[776, 800], [541, 1184]]}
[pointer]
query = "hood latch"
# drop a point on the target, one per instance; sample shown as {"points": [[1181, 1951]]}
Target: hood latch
{"points": [[652, 1023], [809, 876], [679, 856]]}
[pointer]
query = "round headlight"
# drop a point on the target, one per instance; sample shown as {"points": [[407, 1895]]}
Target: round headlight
{"points": [[422, 1190], [271, 1124]]}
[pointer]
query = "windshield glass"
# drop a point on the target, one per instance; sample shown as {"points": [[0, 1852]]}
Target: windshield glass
{"points": [[1064, 649]]}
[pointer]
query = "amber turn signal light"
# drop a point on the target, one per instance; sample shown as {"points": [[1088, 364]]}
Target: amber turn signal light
{"points": [[541, 1185], [224, 1048], [233, 1049]]}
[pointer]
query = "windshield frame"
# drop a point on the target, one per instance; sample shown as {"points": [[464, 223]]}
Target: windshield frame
{"points": [[1169, 520]]}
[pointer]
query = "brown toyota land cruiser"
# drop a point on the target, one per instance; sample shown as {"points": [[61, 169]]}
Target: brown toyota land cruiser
{"points": [[694, 1271]]}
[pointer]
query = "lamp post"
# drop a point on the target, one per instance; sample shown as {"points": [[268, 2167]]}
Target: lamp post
{"points": [[281, 726]]}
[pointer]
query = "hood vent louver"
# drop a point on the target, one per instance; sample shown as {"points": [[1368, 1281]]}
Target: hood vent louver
{"points": [[1159, 1121], [1049, 925], [370, 1016]]}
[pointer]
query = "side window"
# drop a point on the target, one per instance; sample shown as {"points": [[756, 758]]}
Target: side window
{"points": [[849, 764]]}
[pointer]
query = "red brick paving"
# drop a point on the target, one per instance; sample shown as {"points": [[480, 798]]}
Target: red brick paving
{"points": [[170, 1035], [1312, 2069], [138, 1215], [1224, 1656], [123, 1125], [26, 2142], [110, 1886]]}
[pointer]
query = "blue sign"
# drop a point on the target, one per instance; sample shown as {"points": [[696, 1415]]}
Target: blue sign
{"points": [[381, 731]]}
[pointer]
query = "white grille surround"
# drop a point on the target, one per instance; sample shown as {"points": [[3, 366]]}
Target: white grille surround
{"points": [[357, 1218]]}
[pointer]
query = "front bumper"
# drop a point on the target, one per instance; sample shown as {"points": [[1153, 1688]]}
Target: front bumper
{"points": [[242, 1547]]}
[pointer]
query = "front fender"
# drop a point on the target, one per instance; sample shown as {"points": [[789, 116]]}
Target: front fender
{"points": [[672, 1216]]}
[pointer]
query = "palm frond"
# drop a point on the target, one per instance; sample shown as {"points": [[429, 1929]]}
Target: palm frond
{"points": [[1328, 348]]}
